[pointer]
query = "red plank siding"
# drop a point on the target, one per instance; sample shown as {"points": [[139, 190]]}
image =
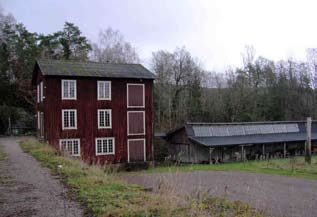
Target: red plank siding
{"points": [[136, 123], [135, 95], [136, 150], [87, 125]]}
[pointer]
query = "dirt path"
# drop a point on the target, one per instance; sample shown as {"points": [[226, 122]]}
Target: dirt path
{"points": [[276, 195], [27, 189]]}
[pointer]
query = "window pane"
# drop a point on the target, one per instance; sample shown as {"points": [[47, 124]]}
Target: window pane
{"points": [[110, 145], [104, 146], [65, 89], [72, 89], [69, 146], [107, 119], [107, 90], [99, 146], [75, 144], [101, 118], [101, 90], [71, 118], [66, 119]]}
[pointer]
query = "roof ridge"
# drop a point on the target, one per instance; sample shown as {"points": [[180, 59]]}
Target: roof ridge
{"points": [[243, 123], [85, 61]]}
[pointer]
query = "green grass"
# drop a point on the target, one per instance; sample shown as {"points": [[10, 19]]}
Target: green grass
{"points": [[287, 167], [2, 153], [105, 195]]}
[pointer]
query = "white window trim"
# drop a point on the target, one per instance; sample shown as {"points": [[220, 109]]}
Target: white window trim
{"points": [[42, 95], [113, 148], [136, 134], [60, 145], [38, 93], [69, 128], [129, 148], [99, 98], [105, 110], [135, 84], [75, 92]]}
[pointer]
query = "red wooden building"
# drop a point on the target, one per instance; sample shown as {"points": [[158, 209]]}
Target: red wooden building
{"points": [[100, 112]]}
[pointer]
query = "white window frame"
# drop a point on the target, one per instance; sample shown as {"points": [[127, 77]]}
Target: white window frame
{"points": [[41, 92], [135, 84], [69, 128], [107, 153], [38, 93], [110, 117], [104, 82], [66, 140], [136, 134], [128, 146], [75, 91]]}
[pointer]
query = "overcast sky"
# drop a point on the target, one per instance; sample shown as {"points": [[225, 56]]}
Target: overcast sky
{"points": [[215, 32]]}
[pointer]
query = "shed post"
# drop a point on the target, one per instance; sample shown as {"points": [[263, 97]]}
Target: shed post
{"points": [[242, 153], [210, 151], [263, 150], [284, 153], [308, 141]]}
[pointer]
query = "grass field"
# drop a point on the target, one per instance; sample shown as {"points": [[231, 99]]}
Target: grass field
{"points": [[105, 195], [287, 167], [2, 154]]}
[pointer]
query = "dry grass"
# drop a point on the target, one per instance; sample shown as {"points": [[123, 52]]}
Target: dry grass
{"points": [[2, 153], [105, 195]]}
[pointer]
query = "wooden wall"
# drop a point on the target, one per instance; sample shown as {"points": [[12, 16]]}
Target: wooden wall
{"points": [[87, 125]]}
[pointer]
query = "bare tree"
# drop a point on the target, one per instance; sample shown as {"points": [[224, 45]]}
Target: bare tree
{"points": [[112, 48]]}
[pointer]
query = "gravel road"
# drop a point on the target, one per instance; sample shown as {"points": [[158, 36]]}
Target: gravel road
{"points": [[27, 189], [275, 195]]}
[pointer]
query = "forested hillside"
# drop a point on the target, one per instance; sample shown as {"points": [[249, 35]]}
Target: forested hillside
{"points": [[184, 90]]}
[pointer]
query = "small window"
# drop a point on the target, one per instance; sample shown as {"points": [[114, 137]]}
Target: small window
{"points": [[38, 93], [105, 146], [135, 95], [104, 90], [69, 119], [104, 118], [70, 146], [69, 89]]}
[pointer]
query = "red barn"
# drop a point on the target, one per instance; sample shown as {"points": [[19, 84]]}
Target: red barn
{"points": [[100, 112]]}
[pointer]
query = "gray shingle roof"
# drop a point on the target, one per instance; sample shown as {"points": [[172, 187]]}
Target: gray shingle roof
{"points": [[93, 69]]}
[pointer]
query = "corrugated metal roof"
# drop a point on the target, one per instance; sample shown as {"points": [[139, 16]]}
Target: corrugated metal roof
{"points": [[226, 134], [241, 130], [93, 69], [252, 139]]}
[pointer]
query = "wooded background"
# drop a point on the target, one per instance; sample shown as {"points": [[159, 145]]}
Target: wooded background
{"points": [[184, 91]]}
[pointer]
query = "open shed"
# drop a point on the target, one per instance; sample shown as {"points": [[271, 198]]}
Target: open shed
{"points": [[225, 142]]}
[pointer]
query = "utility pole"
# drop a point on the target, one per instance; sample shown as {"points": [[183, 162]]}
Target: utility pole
{"points": [[308, 141]]}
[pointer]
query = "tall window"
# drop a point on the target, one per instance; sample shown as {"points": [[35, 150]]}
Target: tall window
{"points": [[69, 119], [104, 90], [135, 95], [105, 146], [70, 146], [69, 89], [104, 118]]}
